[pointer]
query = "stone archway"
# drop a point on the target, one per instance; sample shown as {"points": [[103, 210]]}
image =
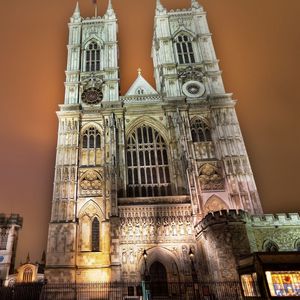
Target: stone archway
{"points": [[158, 279]]}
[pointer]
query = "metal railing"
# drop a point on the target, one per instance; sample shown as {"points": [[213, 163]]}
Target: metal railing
{"points": [[123, 291]]}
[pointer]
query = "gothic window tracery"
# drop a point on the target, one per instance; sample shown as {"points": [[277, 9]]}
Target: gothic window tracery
{"points": [[91, 138], [27, 275], [95, 235], [200, 131], [270, 246], [184, 49], [92, 57], [147, 162], [3, 238]]}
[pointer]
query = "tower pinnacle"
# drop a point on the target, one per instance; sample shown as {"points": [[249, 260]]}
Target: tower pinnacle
{"points": [[76, 15], [159, 7], [110, 11], [195, 4]]}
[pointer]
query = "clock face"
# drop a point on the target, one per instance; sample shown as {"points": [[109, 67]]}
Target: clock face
{"points": [[193, 89], [92, 96]]}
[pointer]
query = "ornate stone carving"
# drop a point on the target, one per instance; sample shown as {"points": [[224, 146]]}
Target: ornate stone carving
{"points": [[91, 183], [210, 177]]}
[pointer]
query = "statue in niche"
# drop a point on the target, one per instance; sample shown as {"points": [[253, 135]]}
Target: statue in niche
{"points": [[123, 228], [210, 178], [131, 256], [130, 228], [124, 256], [173, 227], [137, 227], [188, 226], [151, 227], [145, 227], [181, 226], [166, 226]]}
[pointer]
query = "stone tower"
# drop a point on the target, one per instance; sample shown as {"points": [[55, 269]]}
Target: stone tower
{"points": [[135, 173], [84, 194], [9, 231]]}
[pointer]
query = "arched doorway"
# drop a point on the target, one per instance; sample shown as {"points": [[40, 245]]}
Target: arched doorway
{"points": [[158, 279]]}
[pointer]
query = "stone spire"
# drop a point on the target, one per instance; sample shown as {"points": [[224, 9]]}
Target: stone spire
{"points": [[76, 15], [159, 8], [110, 11]]}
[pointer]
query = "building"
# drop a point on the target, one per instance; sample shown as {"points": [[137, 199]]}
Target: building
{"points": [[9, 229], [160, 172], [28, 272]]}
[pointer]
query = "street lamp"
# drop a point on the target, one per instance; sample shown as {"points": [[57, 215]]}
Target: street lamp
{"points": [[194, 274], [146, 279]]}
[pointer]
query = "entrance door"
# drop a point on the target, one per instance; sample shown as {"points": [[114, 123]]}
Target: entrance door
{"points": [[159, 281]]}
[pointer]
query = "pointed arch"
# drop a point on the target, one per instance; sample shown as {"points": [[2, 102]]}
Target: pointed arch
{"points": [[90, 216], [166, 257], [91, 56], [27, 274], [200, 130], [183, 42], [297, 245], [215, 203], [148, 172], [270, 246], [145, 120]]}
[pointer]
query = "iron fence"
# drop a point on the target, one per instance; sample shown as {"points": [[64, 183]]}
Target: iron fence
{"points": [[124, 291]]}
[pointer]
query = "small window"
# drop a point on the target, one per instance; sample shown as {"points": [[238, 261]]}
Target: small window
{"points": [[92, 57], [184, 47], [27, 275], [91, 138], [200, 131], [95, 235], [3, 238]]}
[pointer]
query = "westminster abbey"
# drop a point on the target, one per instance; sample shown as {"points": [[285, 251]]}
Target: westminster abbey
{"points": [[161, 172]]}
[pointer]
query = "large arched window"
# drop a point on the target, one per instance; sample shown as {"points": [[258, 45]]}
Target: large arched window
{"points": [[147, 162], [200, 131], [91, 138], [184, 49], [27, 275], [92, 57], [270, 246], [95, 235]]}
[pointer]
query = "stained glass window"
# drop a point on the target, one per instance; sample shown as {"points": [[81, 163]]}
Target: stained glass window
{"points": [[147, 162]]}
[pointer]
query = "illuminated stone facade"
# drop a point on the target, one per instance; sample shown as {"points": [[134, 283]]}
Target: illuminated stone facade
{"points": [[9, 228], [137, 172]]}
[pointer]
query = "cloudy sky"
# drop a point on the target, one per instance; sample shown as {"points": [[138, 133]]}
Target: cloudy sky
{"points": [[257, 42]]}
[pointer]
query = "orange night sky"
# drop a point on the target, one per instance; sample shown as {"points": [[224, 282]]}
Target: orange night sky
{"points": [[257, 42]]}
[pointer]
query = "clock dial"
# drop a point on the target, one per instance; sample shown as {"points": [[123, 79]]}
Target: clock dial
{"points": [[92, 96]]}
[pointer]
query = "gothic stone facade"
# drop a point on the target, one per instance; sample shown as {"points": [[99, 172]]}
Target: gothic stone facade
{"points": [[9, 228], [138, 171]]}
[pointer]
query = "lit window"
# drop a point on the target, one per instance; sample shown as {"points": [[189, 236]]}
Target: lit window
{"points": [[95, 235], [27, 275], [91, 138], [200, 131], [184, 49], [92, 57], [147, 162]]}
